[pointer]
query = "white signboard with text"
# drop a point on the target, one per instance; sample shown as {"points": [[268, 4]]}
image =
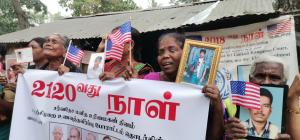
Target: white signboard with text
{"points": [[242, 45], [48, 106]]}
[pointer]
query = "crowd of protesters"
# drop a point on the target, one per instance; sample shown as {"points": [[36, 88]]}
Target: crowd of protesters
{"points": [[49, 53]]}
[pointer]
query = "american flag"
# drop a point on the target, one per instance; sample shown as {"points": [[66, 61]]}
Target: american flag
{"points": [[279, 28], [74, 54], [116, 41], [245, 94]]}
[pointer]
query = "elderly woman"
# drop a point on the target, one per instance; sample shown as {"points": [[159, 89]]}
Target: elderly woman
{"points": [[115, 68], [169, 55], [55, 50]]}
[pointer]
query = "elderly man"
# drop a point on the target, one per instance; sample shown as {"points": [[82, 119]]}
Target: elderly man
{"points": [[57, 133], [91, 136], [106, 138], [74, 134], [271, 70]]}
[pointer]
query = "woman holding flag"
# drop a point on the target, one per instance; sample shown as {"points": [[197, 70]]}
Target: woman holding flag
{"points": [[121, 62], [55, 49]]}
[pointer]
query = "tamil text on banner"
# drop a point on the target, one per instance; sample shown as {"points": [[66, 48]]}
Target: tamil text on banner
{"points": [[69, 106], [243, 44]]}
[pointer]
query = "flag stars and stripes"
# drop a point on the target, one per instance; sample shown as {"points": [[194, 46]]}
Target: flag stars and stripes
{"points": [[74, 54], [117, 40], [245, 94]]}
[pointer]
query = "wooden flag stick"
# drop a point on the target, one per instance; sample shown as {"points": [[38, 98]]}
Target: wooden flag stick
{"points": [[105, 43], [130, 63], [67, 52], [130, 47]]}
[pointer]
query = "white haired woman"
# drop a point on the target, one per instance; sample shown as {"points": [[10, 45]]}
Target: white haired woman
{"points": [[55, 50]]}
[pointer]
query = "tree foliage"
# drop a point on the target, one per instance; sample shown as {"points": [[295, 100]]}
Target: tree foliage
{"points": [[88, 7], [35, 12]]}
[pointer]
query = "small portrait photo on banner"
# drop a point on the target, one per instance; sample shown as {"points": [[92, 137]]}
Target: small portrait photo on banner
{"points": [[58, 131], [268, 121], [199, 63], [74, 133], [88, 135], [96, 65]]}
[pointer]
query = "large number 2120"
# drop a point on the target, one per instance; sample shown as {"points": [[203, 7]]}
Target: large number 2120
{"points": [[55, 90]]}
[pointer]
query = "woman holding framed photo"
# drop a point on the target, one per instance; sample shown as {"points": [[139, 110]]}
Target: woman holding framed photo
{"points": [[170, 49]]}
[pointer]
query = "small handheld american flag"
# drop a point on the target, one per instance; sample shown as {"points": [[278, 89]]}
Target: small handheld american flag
{"points": [[74, 54], [245, 94], [116, 41]]}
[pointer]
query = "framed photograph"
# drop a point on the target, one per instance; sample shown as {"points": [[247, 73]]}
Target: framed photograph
{"points": [[267, 122], [11, 63], [96, 65], [199, 63], [24, 55]]}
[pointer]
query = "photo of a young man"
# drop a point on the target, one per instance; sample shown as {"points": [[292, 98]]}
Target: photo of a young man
{"points": [[198, 66], [258, 125]]}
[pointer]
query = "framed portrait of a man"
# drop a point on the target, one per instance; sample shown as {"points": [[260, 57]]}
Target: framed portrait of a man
{"points": [[268, 121], [199, 63]]}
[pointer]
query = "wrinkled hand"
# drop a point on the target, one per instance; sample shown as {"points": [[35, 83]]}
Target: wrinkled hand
{"points": [[130, 73], [212, 92], [294, 90], [62, 69], [234, 129], [283, 137], [106, 76]]}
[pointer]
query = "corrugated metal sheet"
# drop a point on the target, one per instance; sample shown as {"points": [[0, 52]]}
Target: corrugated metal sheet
{"points": [[143, 20], [235, 8]]}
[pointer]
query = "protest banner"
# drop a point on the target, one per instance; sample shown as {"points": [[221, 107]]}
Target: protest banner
{"points": [[243, 44], [48, 106]]}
